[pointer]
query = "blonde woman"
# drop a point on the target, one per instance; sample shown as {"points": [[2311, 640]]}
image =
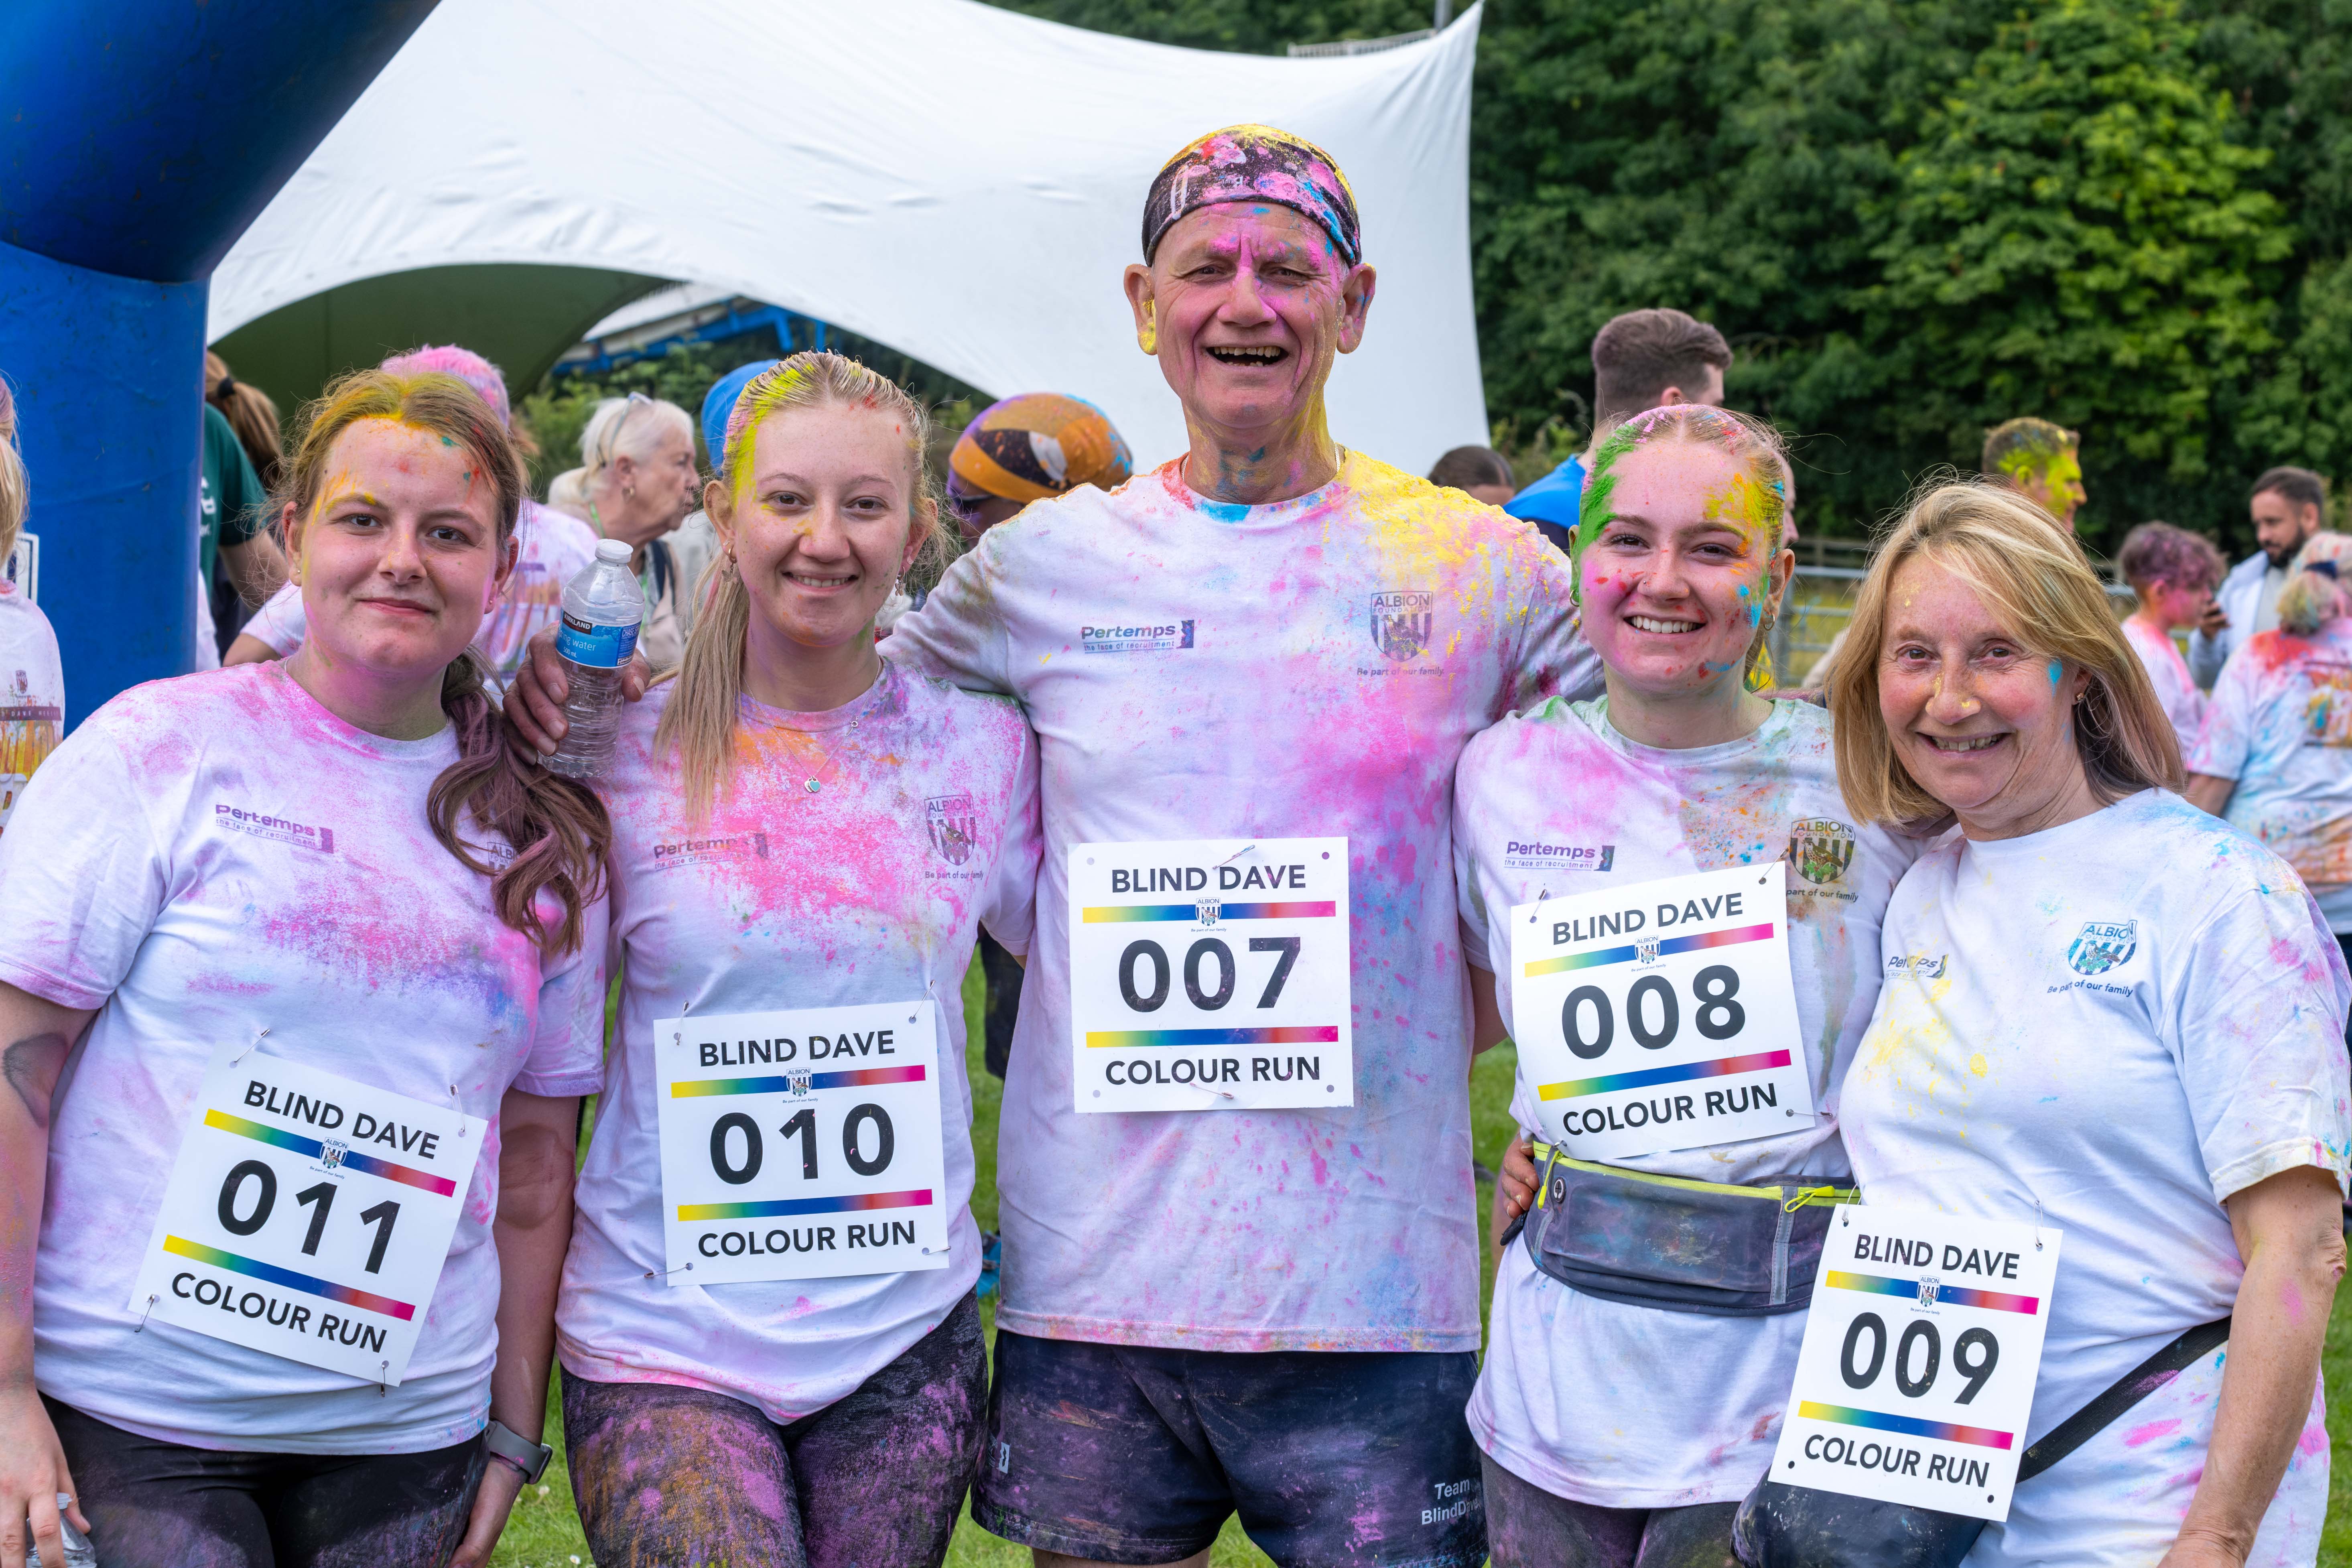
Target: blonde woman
{"points": [[636, 483], [2105, 1010], [807, 840], [32, 679]]}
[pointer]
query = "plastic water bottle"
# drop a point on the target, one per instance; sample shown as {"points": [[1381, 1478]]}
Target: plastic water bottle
{"points": [[79, 1553], [603, 608]]}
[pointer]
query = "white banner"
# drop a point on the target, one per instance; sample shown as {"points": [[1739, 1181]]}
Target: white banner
{"points": [[1921, 1353], [800, 1146], [1210, 974], [307, 1215], [1660, 1015]]}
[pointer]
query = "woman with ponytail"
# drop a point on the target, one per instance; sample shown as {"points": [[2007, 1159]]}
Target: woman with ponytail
{"points": [[301, 990], [770, 1345]]}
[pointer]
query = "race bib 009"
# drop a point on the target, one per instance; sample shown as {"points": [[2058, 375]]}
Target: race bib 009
{"points": [[1210, 974], [1660, 1015], [1921, 1353], [801, 1145], [307, 1215]]}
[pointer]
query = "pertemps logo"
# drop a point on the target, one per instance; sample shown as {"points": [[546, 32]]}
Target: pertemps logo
{"points": [[1403, 620], [955, 826], [1919, 964], [1149, 637], [2104, 945], [1822, 849]]}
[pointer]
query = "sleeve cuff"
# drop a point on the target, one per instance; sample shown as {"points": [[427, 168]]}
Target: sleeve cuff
{"points": [[2264, 1163], [559, 1085], [51, 988]]}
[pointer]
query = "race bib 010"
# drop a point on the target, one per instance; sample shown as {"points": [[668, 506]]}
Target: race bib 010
{"points": [[1920, 1356], [1210, 974], [801, 1145], [307, 1215], [1660, 1015]]}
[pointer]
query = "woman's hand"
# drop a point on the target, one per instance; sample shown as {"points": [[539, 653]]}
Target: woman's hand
{"points": [[2202, 1552], [493, 1500], [32, 1473], [534, 703], [1514, 1189]]}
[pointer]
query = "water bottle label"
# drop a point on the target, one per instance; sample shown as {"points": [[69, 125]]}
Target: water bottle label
{"points": [[605, 648]]}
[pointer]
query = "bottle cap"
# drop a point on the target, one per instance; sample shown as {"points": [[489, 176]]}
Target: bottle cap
{"points": [[613, 551]]}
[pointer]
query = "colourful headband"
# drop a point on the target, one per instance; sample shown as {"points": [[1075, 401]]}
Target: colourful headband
{"points": [[1253, 162], [1037, 445]]}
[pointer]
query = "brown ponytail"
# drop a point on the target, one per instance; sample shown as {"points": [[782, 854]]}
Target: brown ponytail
{"points": [[558, 829]]}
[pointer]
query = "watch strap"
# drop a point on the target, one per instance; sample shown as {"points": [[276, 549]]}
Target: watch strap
{"points": [[505, 1443]]}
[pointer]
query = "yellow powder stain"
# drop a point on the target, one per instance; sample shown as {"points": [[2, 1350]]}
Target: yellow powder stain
{"points": [[1978, 1065]]}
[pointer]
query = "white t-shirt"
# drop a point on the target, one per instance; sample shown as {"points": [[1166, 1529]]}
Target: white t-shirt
{"points": [[1198, 670], [553, 547], [2111, 1025], [2176, 689], [32, 693], [1604, 1402], [2281, 725], [861, 892], [206, 858]]}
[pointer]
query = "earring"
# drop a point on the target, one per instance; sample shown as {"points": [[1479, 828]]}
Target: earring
{"points": [[629, 492]]}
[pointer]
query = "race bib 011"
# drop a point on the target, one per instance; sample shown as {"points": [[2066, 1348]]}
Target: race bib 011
{"points": [[1660, 1015], [307, 1215], [1921, 1353], [1210, 974], [801, 1145]]}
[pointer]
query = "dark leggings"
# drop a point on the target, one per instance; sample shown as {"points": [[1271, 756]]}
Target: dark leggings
{"points": [[152, 1504], [1003, 973], [681, 1477], [1528, 1527]]}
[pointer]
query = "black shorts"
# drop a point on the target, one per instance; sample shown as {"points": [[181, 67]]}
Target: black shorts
{"points": [[1128, 1454], [152, 1504], [1530, 1528]]}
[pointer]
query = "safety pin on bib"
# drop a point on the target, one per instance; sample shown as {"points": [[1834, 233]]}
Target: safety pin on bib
{"points": [[249, 1045], [1235, 855], [665, 1273]]}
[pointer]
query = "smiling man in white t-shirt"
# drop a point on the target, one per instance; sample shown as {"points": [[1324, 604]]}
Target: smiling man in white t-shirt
{"points": [[1260, 1294]]}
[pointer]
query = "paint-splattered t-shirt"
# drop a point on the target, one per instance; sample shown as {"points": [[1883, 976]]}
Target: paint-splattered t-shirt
{"points": [[2280, 724], [2110, 1025], [550, 549], [1604, 1402], [871, 890], [207, 859], [32, 693], [1196, 669], [2168, 671]]}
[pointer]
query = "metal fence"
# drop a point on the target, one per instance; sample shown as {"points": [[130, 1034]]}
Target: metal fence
{"points": [[1820, 602]]}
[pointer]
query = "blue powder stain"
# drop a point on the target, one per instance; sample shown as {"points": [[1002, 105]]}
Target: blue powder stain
{"points": [[1224, 511], [2057, 670]]}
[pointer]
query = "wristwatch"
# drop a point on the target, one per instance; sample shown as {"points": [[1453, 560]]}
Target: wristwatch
{"points": [[505, 1443]]}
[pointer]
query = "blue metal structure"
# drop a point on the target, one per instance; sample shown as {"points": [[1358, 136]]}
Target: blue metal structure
{"points": [[138, 140], [735, 323]]}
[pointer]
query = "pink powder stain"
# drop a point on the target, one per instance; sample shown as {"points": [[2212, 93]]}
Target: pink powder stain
{"points": [[2313, 1441], [2151, 1431]]}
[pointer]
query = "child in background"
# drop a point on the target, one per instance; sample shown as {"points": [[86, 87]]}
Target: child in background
{"points": [[2174, 572]]}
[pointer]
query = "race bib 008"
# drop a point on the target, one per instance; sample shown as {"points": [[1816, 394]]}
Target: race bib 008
{"points": [[1922, 1349], [1660, 1015], [1210, 974], [802, 1144], [307, 1215]]}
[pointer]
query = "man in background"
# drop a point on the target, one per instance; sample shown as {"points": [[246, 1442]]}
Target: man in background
{"points": [[1642, 359], [1479, 473], [2287, 505], [2043, 462]]}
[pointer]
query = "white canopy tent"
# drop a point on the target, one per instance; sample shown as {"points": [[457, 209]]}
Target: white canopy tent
{"points": [[960, 182]]}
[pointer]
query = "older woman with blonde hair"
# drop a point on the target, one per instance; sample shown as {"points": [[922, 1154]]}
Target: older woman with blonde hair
{"points": [[2275, 754], [2107, 1012]]}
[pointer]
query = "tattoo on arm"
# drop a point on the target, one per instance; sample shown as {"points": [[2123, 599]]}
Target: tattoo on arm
{"points": [[31, 1066]]}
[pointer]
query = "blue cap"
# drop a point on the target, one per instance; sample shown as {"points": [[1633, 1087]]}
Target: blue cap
{"points": [[720, 401]]}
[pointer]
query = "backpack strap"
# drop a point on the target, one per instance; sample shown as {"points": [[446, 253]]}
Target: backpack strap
{"points": [[2121, 1395]]}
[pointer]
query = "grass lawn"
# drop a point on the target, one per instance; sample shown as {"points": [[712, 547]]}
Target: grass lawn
{"points": [[544, 1533]]}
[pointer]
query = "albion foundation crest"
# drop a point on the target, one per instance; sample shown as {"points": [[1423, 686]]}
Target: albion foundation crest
{"points": [[954, 827], [1821, 848], [1402, 622], [1928, 1286], [2104, 945], [1207, 909]]}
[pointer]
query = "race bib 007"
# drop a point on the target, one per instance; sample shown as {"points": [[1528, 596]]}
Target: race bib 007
{"points": [[802, 1144], [1922, 1349], [1660, 1015], [307, 1215], [1210, 974]]}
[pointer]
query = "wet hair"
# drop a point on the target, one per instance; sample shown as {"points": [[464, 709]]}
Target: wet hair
{"points": [[2159, 554], [16, 488], [1466, 467], [2018, 448], [2300, 487], [2314, 595], [700, 722], [557, 829], [1642, 352], [621, 426], [2033, 577], [251, 413], [1750, 443]]}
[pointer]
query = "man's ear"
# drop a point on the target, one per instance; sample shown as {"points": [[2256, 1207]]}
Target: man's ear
{"points": [[1356, 306]]}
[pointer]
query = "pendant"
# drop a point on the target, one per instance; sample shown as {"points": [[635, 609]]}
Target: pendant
{"points": [[812, 787]]}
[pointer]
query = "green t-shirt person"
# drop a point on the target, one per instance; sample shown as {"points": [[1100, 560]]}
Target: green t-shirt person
{"points": [[231, 505]]}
